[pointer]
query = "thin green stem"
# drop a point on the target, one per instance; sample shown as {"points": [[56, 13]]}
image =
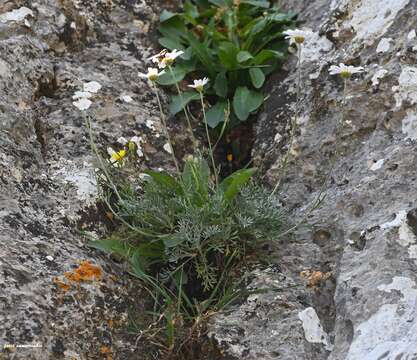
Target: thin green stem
{"points": [[319, 197], [109, 179], [284, 162], [190, 128], [100, 159], [208, 139], [166, 128]]}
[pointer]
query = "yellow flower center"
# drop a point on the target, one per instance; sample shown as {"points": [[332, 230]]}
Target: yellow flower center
{"points": [[168, 61], [345, 74], [299, 39], [153, 77]]}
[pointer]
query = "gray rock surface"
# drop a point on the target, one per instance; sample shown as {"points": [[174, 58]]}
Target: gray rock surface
{"points": [[49, 49], [357, 253], [344, 284]]}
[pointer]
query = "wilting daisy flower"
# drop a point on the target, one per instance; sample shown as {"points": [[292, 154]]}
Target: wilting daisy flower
{"points": [[297, 36], [152, 74], [156, 59], [116, 157], [345, 71], [165, 58], [199, 84], [137, 143]]}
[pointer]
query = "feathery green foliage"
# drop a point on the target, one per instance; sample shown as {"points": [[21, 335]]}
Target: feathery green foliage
{"points": [[186, 239]]}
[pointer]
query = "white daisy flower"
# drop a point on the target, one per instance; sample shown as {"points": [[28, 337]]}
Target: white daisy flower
{"points": [[297, 36], [82, 104], [199, 84], [152, 74], [345, 71]]}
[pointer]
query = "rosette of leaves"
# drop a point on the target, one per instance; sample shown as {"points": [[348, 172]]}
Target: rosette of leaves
{"points": [[236, 43]]}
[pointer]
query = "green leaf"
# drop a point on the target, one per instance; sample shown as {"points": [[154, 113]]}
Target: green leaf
{"points": [[179, 102], [233, 183], [259, 3], [173, 240], [195, 179], [202, 52], [227, 55], [112, 246], [257, 76], [221, 85], [191, 10], [166, 15], [139, 265], [178, 74], [216, 114], [164, 179], [265, 55], [243, 56], [218, 2], [153, 250], [171, 43], [245, 101], [173, 28]]}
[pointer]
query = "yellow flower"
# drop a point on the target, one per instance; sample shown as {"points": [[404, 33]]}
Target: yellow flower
{"points": [[116, 156]]}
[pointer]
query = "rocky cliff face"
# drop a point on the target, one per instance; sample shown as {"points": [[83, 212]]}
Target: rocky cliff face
{"points": [[357, 252], [50, 50], [345, 284]]}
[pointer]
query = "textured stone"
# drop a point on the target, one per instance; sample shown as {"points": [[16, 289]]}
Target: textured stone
{"points": [[47, 185], [364, 231]]}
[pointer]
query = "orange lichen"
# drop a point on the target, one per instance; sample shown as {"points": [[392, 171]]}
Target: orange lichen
{"points": [[62, 285], [314, 278], [84, 272], [105, 350]]}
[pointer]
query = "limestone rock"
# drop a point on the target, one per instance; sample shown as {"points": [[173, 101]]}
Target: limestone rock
{"points": [[364, 231]]}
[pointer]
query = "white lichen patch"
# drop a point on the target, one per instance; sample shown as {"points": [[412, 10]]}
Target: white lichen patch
{"points": [[411, 35], [412, 252], [372, 18], [407, 86], [406, 236], [313, 330], [167, 148], [384, 45], [315, 47], [16, 15], [399, 219], [80, 177], [377, 165], [391, 331], [406, 286], [126, 98], [84, 182], [378, 75], [92, 87], [409, 125], [150, 124]]}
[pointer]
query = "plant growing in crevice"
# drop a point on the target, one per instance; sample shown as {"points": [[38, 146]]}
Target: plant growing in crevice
{"points": [[185, 235], [237, 44], [185, 238]]}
